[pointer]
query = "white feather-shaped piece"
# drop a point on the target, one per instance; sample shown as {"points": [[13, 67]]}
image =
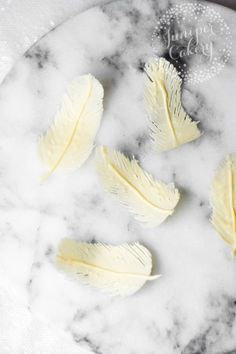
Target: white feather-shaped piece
{"points": [[149, 200], [223, 201], [171, 126], [70, 140], [119, 270]]}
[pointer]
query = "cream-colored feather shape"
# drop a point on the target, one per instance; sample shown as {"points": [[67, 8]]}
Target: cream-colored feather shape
{"points": [[118, 270], [170, 124], [69, 141], [223, 200], [151, 201]]}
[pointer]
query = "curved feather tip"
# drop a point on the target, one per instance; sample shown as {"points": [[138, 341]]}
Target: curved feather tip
{"points": [[170, 125], [70, 140]]}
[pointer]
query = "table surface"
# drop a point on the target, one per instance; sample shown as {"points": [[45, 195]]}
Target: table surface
{"points": [[192, 308]]}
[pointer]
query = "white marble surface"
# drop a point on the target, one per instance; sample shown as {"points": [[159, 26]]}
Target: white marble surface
{"points": [[192, 308], [23, 22]]}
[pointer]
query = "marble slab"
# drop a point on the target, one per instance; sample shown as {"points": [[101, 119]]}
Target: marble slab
{"points": [[192, 308], [24, 22]]}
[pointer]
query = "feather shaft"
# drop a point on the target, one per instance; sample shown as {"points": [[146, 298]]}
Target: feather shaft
{"points": [[139, 194], [168, 115], [106, 270], [150, 201], [54, 167]]}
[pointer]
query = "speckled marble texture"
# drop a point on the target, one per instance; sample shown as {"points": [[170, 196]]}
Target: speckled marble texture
{"points": [[192, 308]]}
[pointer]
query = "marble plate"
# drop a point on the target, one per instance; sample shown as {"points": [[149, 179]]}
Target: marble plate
{"points": [[192, 308]]}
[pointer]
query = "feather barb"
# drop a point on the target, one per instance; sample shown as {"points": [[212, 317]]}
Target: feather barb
{"points": [[150, 201], [170, 124], [69, 141], [223, 201], [119, 270]]}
